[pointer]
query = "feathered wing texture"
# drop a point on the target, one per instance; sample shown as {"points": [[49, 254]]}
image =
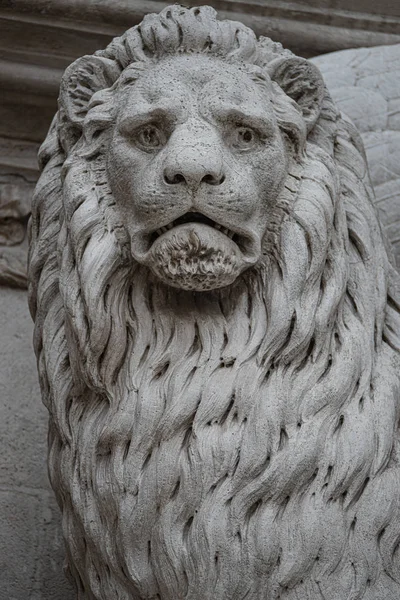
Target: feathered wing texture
{"points": [[248, 448], [364, 83]]}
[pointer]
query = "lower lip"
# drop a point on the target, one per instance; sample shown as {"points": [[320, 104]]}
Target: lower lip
{"points": [[141, 244], [248, 249]]}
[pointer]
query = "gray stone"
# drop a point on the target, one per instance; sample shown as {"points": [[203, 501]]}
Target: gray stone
{"points": [[217, 324], [31, 546], [15, 201], [365, 84]]}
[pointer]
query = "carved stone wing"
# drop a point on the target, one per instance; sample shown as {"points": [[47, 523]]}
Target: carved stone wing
{"points": [[365, 83]]}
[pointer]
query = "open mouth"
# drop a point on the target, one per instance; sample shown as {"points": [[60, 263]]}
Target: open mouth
{"points": [[194, 217], [248, 245]]}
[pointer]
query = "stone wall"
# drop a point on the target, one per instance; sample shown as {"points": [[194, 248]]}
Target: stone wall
{"points": [[31, 546]]}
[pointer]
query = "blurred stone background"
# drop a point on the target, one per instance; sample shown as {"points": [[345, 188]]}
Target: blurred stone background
{"points": [[38, 39]]}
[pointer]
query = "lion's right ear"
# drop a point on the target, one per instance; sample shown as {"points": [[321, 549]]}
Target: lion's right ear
{"points": [[80, 82], [301, 81]]}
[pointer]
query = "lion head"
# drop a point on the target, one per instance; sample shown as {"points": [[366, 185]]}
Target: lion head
{"points": [[216, 325], [197, 167]]}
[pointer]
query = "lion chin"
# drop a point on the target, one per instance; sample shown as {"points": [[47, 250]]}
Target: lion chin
{"points": [[195, 257], [224, 400]]}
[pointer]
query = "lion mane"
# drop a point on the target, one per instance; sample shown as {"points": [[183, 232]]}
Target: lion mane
{"points": [[248, 448]]}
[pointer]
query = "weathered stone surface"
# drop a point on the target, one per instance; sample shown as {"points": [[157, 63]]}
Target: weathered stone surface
{"points": [[217, 325], [31, 546], [15, 207], [365, 84]]}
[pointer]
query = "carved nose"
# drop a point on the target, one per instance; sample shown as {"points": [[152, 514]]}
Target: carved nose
{"points": [[193, 177]]}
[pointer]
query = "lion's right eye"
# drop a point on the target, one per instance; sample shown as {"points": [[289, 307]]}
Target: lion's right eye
{"points": [[150, 137], [244, 138]]}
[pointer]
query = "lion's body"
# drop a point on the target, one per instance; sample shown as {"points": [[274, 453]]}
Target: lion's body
{"points": [[238, 443]]}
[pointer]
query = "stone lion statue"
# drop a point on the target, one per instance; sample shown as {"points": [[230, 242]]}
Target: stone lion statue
{"points": [[216, 325]]}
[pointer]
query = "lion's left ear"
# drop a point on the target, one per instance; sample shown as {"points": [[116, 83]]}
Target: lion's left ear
{"points": [[301, 81], [81, 80]]}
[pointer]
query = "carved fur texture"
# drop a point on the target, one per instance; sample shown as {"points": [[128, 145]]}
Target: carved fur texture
{"points": [[240, 443]]}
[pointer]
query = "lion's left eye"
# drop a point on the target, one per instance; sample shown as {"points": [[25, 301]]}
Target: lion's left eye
{"points": [[244, 137], [150, 137]]}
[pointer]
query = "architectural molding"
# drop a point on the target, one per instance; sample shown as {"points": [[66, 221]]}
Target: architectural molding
{"points": [[39, 39]]}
